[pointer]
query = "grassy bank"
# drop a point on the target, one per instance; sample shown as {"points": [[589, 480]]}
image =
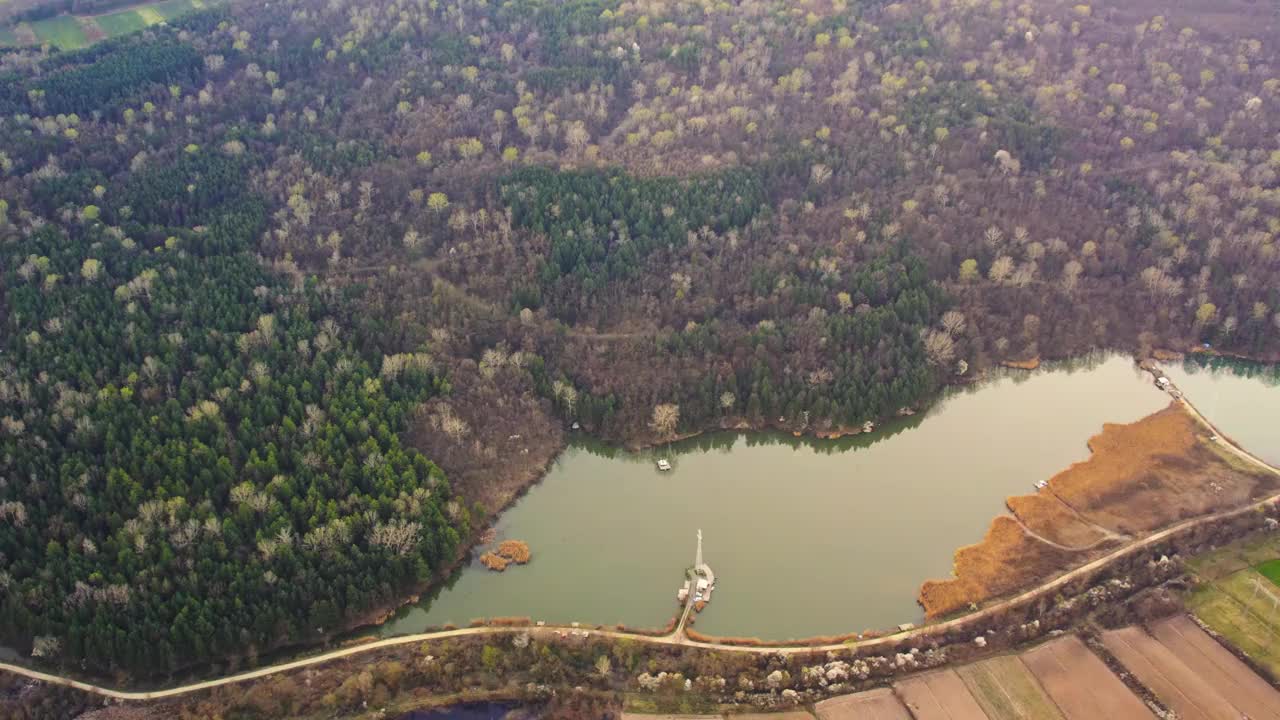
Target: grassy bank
{"points": [[1238, 598]]}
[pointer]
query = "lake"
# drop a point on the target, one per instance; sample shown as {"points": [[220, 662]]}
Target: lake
{"points": [[1239, 398], [805, 537]]}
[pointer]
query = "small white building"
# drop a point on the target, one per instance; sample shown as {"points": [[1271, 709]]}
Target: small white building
{"points": [[1163, 382]]}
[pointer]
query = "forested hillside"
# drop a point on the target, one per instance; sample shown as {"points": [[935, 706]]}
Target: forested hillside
{"points": [[266, 270]]}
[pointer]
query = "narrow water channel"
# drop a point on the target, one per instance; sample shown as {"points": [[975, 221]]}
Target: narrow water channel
{"points": [[806, 538], [1241, 399]]}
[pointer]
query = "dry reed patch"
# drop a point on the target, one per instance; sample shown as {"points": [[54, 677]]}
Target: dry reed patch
{"points": [[509, 551], [1029, 364], [1140, 477], [1154, 472], [494, 562], [1006, 559], [1048, 517]]}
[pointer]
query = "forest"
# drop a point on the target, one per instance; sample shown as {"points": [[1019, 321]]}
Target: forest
{"points": [[296, 296]]}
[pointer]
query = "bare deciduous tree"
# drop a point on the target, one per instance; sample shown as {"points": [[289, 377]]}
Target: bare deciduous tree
{"points": [[665, 418]]}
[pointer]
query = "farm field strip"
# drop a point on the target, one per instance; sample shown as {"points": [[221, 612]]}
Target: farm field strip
{"points": [[1238, 625], [939, 695], [1250, 693], [1080, 683], [879, 704], [1006, 690], [1177, 686]]}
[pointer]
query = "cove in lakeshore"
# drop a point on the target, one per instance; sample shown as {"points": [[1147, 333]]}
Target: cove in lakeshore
{"points": [[806, 537]]}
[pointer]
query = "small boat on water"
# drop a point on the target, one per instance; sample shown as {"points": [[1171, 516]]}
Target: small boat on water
{"points": [[664, 465], [1042, 484]]}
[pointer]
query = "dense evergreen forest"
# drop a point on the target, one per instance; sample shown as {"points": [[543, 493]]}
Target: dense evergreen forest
{"points": [[295, 295]]}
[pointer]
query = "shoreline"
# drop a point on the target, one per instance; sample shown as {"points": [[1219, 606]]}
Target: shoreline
{"points": [[737, 424], [362, 631], [1236, 522]]}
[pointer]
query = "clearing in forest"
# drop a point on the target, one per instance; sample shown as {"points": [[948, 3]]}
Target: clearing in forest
{"points": [[63, 32], [122, 23], [71, 32], [1080, 683], [1006, 690]]}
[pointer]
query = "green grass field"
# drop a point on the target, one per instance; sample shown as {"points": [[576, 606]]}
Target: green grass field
{"points": [[63, 32], [123, 22], [1253, 634], [1235, 557], [1270, 570], [1238, 596], [170, 9], [66, 33]]}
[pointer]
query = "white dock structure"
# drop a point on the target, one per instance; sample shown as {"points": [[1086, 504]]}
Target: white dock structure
{"points": [[704, 578], [701, 580]]}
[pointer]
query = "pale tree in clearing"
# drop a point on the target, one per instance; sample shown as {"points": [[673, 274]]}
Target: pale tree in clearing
{"points": [[665, 418], [398, 536], [412, 239], [727, 400], [91, 268], [939, 346], [566, 393], [953, 322], [577, 136], [1000, 269], [1071, 274]]}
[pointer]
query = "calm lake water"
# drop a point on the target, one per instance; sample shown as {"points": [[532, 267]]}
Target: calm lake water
{"points": [[806, 538], [1239, 398]]}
